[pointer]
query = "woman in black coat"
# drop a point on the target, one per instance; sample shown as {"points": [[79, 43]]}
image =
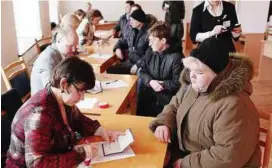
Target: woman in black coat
{"points": [[160, 71], [215, 18]]}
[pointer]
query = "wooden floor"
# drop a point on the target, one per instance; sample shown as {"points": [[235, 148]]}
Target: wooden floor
{"points": [[262, 95]]}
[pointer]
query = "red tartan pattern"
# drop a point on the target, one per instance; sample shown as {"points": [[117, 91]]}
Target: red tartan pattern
{"points": [[39, 137]]}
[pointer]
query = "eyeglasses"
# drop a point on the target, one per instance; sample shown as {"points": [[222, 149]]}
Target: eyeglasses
{"points": [[80, 91]]}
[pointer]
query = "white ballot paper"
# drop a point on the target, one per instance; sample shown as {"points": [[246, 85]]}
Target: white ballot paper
{"points": [[116, 150], [113, 84], [119, 145]]}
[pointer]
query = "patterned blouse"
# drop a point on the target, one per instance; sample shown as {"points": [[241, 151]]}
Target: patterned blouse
{"points": [[39, 137]]}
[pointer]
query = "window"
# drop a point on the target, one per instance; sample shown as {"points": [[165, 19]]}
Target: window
{"points": [[27, 23]]}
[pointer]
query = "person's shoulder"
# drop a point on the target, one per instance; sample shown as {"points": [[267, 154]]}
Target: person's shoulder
{"points": [[199, 8], [175, 56], [123, 16], [47, 56], [227, 5], [43, 101]]}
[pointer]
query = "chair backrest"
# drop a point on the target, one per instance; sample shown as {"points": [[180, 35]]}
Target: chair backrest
{"points": [[43, 43], [30, 56], [266, 141], [16, 75], [10, 103]]}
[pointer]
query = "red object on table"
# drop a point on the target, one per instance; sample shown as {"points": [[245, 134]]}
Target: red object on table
{"points": [[103, 105]]}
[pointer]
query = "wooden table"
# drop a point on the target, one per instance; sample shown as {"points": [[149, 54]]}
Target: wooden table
{"points": [[118, 98], [149, 151], [100, 64]]}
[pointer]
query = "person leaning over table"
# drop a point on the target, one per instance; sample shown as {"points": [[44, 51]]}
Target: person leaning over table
{"points": [[64, 42], [215, 18], [136, 42], [212, 117], [43, 131], [85, 30], [159, 72]]}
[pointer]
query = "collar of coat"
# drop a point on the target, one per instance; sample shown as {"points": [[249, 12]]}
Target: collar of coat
{"points": [[232, 80]]}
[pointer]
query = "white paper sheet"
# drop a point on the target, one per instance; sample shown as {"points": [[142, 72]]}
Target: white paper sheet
{"points": [[87, 103], [101, 158], [113, 84], [102, 56]]}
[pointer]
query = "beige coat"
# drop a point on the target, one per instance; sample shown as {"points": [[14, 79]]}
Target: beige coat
{"points": [[220, 128]]}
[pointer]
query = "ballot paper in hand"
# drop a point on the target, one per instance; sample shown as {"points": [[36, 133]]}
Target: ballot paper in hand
{"points": [[119, 145]]}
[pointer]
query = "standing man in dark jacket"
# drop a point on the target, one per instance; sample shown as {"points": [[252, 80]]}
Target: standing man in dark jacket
{"points": [[160, 71], [175, 12], [136, 42], [122, 24]]}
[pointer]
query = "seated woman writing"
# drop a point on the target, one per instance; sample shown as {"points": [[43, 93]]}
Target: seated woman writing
{"points": [[43, 131], [212, 117]]}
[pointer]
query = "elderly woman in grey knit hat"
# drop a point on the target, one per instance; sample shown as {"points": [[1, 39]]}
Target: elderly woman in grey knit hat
{"points": [[211, 122]]}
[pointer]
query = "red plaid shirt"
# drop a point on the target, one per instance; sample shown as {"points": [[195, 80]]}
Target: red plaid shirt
{"points": [[39, 137]]}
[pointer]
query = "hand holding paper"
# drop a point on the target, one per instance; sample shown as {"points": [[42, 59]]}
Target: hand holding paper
{"points": [[108, 136], [122, 142]]}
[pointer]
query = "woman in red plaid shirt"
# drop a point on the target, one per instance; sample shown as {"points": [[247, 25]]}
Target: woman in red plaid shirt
{"points": [[43, 129]]}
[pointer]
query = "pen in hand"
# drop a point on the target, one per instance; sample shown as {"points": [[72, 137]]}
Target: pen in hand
{"points": [[111, 82]]}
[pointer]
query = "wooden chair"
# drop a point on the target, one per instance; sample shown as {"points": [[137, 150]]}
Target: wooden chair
{"points": [[43, 43], [16, 75], [266, 129]]}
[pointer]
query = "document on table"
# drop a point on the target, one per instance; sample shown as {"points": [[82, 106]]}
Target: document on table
{"points": [[117, 150], [87, 103], [119, 145], [102, 56], [113, 84]]}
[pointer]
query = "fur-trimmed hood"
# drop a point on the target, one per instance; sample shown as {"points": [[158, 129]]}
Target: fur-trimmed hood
{"points": [[234, 79]]}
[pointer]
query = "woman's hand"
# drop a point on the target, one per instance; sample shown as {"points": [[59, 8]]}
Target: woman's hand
{"points": [[90, 150], [162, 133], [156, 85], [217, 30], [108, 136]]}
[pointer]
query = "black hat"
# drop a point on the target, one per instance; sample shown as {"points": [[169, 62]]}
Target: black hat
{"points": [[138, 15], [213, 53]]}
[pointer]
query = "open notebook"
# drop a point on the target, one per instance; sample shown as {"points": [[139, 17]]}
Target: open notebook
{"points": [[119, 145]]}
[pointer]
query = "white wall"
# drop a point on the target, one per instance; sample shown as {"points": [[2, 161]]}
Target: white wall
{"points": [[9, 48], [114, 9], [253, 15], [111, 10]]}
